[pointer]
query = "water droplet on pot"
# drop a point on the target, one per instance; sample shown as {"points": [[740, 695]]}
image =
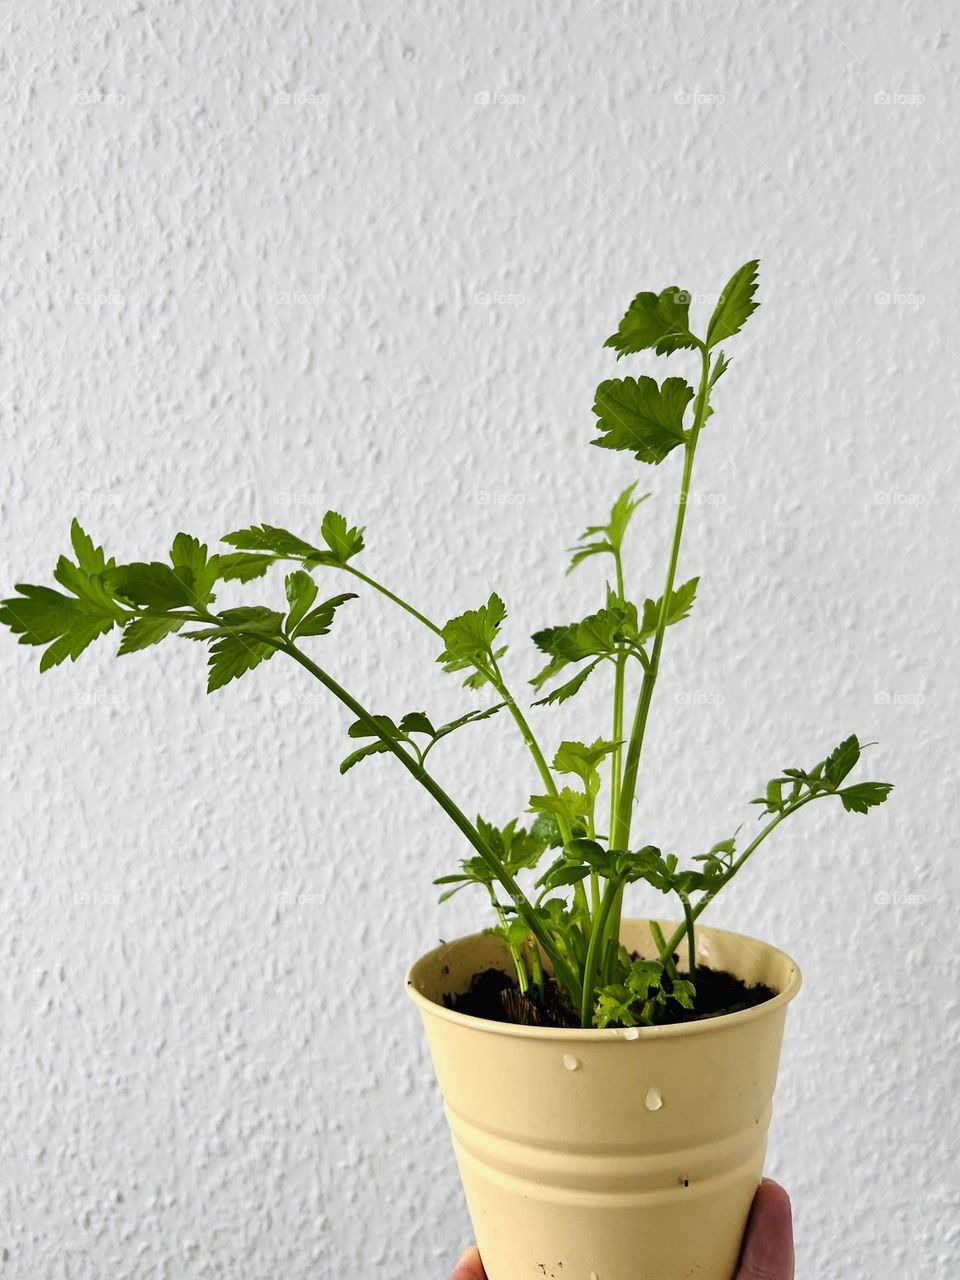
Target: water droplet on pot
{"points": [[654, 1100], [631, 1033], [570, 1062]]}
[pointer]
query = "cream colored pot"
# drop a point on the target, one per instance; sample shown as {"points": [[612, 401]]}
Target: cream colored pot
{"points": [[608, 1155]]}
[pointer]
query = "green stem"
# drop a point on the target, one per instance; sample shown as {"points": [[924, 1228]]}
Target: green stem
{"points": [[618, 685], [385, 591], [496, 679], [666, 956], [621, 832], [498, 683], [596, 951], [670, 947], [562, 970], [691, 938]]}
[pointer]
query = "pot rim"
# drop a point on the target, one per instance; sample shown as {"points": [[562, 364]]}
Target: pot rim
{"points": [[593, 1034]]}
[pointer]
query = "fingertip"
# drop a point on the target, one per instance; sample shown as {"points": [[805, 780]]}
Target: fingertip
{"points": [[469, 1267], [768, 1249]]}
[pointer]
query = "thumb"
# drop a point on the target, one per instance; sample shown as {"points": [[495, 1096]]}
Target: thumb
{"points": [[768, 1245], [469, 1267]]}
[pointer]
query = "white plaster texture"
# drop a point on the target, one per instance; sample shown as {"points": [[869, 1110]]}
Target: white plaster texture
{"points": [[261, 259]]}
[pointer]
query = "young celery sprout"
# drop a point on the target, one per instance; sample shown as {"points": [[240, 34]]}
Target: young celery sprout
{"points": [[569, 924]]}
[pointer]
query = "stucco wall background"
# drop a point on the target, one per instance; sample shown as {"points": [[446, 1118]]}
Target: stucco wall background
{"points": [[262, 259]]}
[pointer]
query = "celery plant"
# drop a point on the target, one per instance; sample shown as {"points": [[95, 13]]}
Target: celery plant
{"points": [[569, 920]]}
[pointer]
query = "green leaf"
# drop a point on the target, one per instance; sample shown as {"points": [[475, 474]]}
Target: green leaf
{"points": [[301, 592], [89, 557], [468, 639], [371, 749], [841, 760], [319, 620], [641, 417], [736, 304], [67, 624], [598, 539], [657, 320], [680, 604], [343, 542], [568, 804], [417, 722], [242, 566], [268, 537], [567, 691], [683, 992], [582, 761], [864, 795], [151, 586], [360, 728], [143, 632], [719, 369], [236, 646]]}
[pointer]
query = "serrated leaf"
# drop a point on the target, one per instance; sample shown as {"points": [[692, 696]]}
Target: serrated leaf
{"points": [[319, 620], [371, 749], [268, 537], [417, 722], [719, 369], [143, 632], [566, 691], [841, 760], [150, 586], [608, 538], [344, 542], [67, 624], [242, 566], [468, 639], [736, 304], [232, 656], [90, 558], [655, 320], [680, 604], [864, 795], [360, 728], [301, 592], [637, 415], [567, 803]]}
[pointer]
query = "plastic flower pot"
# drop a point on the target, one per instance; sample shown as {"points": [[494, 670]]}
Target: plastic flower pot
{"points": [[623, 1154]]}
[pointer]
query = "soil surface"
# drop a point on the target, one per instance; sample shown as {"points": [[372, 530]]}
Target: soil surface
{"points": [[496, 996]]}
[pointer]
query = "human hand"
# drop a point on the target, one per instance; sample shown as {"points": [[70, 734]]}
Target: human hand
{"points": [[767, 1246]]}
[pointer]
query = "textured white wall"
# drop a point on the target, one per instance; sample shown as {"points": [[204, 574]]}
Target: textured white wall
{"points": [[264, 258]]}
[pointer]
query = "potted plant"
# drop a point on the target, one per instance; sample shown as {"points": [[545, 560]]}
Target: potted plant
{"points": [[608, 1081]]}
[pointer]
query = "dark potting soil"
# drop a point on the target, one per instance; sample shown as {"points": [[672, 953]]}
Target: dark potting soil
{"points": [[496, 996]]}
